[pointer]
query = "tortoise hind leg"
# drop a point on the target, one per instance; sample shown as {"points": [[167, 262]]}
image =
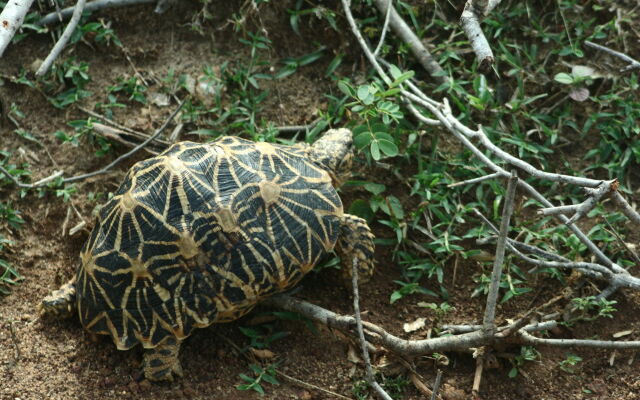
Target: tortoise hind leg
{"points": [[161, 363], [356, 240], [60, 302]]}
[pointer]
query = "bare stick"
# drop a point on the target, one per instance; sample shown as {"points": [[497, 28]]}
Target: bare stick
{"points": [[477, 377], [103, 170], [629, 211], [402, 29], [595, 196], [436, 385], [488, 322], [307, 385], [385, 27], [11, 20], [476, 180], [363, 342], [16, 342], [470, 23], [633, 64], [64, 38], [558, 210], [130, 152], [64, 14]]}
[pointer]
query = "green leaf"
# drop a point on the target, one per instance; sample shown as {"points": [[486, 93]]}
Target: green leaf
{"points": [[375, 150], [362, 209], [375, 188], [363, 140], [395, 296], [346, 88], [270, 379], [563, 78], [388, 148]]}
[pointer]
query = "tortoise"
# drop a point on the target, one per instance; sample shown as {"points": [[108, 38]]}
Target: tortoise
{"points": [[202, 232]]}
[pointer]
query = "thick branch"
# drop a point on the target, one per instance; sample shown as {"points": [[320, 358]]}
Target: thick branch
{"points": [[11, 20], [402, 29], [470, 22], [66, 13]]}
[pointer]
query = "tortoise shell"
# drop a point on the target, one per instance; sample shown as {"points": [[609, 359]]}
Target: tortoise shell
{"points": [[199, 234]]}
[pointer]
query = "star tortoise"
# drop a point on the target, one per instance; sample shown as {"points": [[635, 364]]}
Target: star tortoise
{"points": [[202, 232]]}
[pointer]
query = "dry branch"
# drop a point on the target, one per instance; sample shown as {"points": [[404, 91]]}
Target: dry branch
{"points": [[488, 323], [402, 29], [470, 22], [363, 342], [633, 63], [100, 171], [11, 20], [64, 38], [64, 14]]}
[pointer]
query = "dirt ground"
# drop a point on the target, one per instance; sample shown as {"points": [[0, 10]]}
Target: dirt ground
{"points": [[44, 359]]}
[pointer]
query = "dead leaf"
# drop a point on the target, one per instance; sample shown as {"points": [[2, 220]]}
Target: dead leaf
{"points": [[263, 354], [352, 355], [579, 94], [622, 333], [415, 325]]}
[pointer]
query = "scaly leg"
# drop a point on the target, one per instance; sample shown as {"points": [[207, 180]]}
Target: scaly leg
{"points": [[356, 240], [161, 363]]}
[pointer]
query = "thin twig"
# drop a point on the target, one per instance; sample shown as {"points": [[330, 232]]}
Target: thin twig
{"points": [[475, 180], [363, 342], [385, 27], [596, 194], [307, 385], [633, 63], [488, 323], [16, 342], [64, 38], [103, 170], [566, 209], [436, 385], [64, 14], [627, 210]]}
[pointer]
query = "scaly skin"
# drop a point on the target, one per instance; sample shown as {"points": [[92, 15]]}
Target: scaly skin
{"points": [[161, 363], [356, 240], [61, 302]]}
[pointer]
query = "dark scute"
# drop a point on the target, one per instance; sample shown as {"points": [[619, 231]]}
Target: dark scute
{"points": [[175, 210], [233, 294], [224, 181], [327, 202], [130, 243], [199, 196], [152, 229], [156, 196]]}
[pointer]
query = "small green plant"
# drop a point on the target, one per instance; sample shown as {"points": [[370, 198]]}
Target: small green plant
{"points": [[129, 87], [527, 353], [394, 386], [262, 336], [259, 376], [569, 363], [65, 83], [590, 308], [8, 275]]}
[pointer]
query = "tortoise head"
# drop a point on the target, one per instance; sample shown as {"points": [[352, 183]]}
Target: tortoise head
{"points": [[334, 152]]}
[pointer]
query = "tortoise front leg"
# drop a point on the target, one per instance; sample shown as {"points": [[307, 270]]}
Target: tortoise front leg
{"points": [[161, 362], [61, 302], [356, 240]]}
